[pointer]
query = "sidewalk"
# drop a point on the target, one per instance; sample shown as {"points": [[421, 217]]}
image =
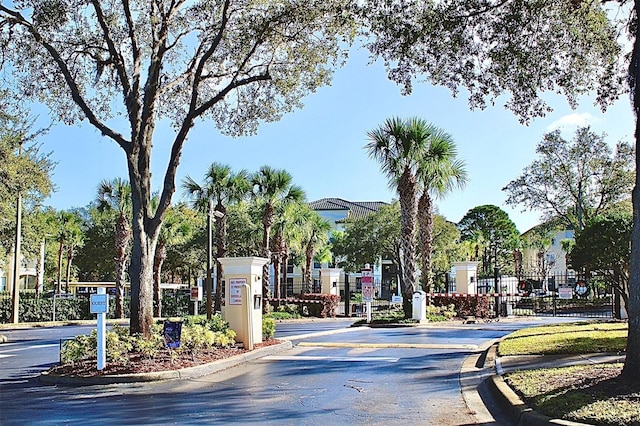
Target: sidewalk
{"points": [[511, 403]]}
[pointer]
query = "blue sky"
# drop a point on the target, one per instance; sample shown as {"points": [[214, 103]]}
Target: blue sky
{"points": [[322, 144]]}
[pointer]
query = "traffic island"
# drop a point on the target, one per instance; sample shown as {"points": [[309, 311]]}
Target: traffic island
{"points": [[185, 373]]}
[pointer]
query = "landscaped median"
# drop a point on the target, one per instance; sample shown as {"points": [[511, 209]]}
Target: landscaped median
{"points": [[572, 377], [183, 373]]}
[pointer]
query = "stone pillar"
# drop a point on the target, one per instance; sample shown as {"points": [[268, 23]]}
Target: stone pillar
{"points": [[243, 297]]}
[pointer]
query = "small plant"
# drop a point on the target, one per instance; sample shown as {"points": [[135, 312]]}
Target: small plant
{"points": [[440, 313], [290, 308], [268, 328], [77, 349]]}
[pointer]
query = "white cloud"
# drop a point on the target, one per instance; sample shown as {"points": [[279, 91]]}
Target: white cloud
{"points": [[576, 119]]}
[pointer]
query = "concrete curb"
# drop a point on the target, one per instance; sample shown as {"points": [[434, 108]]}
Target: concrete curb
{"points": [[185, 373], [515, 408]]}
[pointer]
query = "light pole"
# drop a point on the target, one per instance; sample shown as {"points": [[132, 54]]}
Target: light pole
{"points": [[211, 218], [16, 258]]}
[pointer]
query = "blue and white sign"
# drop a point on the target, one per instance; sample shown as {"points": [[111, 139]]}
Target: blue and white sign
{"points": [[99, 304]]}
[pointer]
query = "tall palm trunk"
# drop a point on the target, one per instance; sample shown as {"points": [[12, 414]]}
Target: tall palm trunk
{"points": [[70, 255], [408, 207], [267, 222], [160, 257], [221, 251], [308, 259], [60, 250], [123, 238], [425, 219]]}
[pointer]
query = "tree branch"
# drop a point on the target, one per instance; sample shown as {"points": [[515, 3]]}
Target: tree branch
{"points": [[18, 19]]}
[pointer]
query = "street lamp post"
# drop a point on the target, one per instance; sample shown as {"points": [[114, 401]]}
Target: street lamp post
{"points": [[211, 218], [16, 258], [209, 284]]}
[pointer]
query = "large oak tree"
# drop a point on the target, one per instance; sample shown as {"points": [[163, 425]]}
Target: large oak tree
{"points": [[235, 62]]}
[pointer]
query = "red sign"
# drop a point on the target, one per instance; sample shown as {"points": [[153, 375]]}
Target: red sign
{"points": [[367, 285]]}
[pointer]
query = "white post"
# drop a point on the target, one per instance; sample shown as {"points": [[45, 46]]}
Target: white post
{"points": [[102, 334]]}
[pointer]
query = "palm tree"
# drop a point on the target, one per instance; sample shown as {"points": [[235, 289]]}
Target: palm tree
{"points": [[270, 188], [439, 173], [222, 187], [317, 234], [68, 234], [289, 222], [175, 230], [399, 146], [115, 196]]}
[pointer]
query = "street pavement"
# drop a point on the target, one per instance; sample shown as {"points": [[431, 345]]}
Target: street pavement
{"points": [[333, 374]]}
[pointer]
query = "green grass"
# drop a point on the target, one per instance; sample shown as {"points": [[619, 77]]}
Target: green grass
{"points": [[593, 393], [574, 338], [590, 394]]}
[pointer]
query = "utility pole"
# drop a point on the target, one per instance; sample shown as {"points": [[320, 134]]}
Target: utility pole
{"points": [[209, 284], [16, 257]]}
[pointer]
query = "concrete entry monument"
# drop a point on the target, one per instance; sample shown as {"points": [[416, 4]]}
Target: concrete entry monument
{"points": [[243, 297], [466, 277], [329, 278]]}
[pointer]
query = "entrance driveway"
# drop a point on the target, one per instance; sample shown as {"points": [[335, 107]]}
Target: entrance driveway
{"points": [[398, 376]]}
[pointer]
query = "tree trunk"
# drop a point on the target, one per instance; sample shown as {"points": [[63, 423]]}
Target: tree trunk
{"points": [[141, 275], [60, 249], [123, 237], [276, 275], [308, 265], [631, 370], [161, 255], [408, 211], [221, 251], [285, 266], [425, 217], [68, 269], [267, 222]]}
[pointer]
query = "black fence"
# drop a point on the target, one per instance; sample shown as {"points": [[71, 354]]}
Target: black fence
{"points": [[557, 295]]}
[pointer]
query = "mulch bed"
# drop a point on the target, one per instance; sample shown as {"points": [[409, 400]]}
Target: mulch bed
{"points": [[165, 360]]}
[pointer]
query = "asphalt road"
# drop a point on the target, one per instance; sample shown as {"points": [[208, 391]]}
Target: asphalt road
{"points": [[381, 376]]}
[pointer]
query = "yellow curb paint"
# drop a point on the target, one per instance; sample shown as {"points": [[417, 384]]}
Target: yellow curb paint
{"points": [[387, 345]]}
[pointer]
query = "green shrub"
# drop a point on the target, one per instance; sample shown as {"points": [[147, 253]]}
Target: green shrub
{"points": [[290, 308], [268, 328], [77, 349], [280, 316], [440, 313], [119, 344]]}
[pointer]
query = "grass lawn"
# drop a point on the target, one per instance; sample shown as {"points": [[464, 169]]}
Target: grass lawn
{"points": [[590, 393], [574, 338]]}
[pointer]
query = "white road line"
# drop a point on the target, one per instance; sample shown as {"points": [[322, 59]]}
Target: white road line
{"points": [[5, 356], [31, 347], [330, 358]]}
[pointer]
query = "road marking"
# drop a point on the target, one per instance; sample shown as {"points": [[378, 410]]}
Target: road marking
{"points": [[5, 356], [389, 345], [330, 358], [24, 348]]}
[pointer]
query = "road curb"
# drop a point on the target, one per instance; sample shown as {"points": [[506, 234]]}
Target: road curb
{"points": [[517, 410], [185, 373]]}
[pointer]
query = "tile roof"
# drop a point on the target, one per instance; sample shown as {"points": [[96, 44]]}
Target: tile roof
{"points": [[357, 209]]}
